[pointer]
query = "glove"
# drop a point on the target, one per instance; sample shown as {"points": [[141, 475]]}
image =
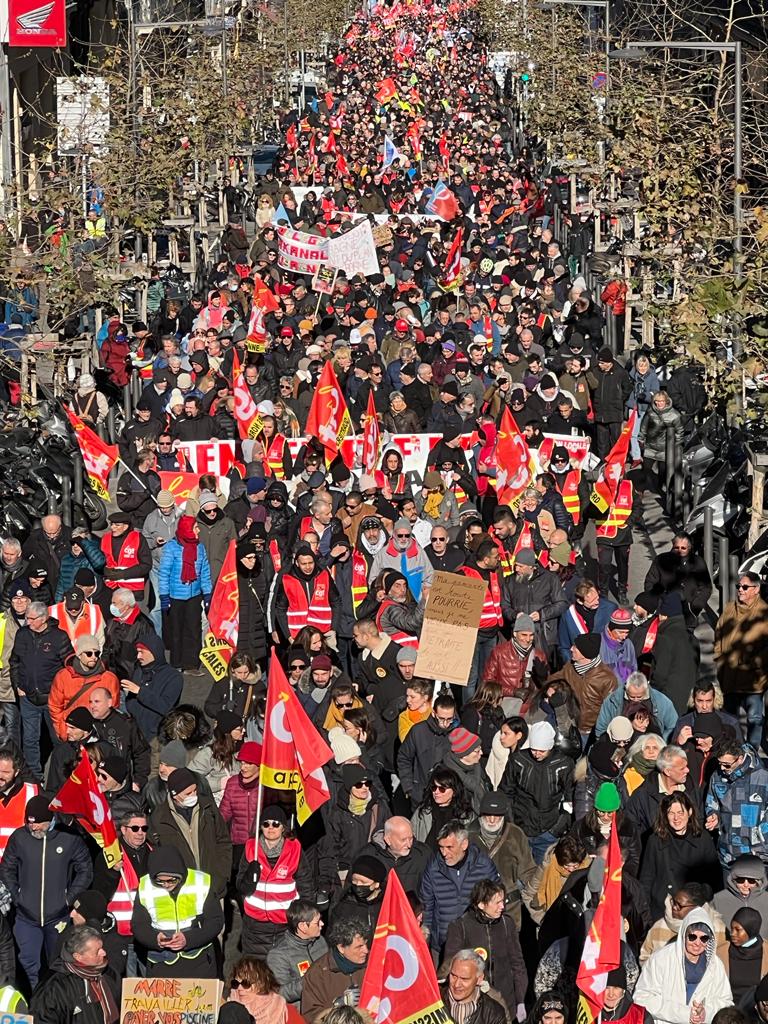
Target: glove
{"points": [[323, 898], [206, 602], [351, 996], [165, 602], [521, 1015]]}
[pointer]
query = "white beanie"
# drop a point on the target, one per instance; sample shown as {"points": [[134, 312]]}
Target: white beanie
{"points": [[344, 747], [541, 736], [620, 728]]}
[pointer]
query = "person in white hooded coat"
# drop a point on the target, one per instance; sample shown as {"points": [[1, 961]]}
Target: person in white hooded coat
{"points": [[685, 982]]}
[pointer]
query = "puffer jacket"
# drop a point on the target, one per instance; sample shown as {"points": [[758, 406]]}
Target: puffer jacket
{"points": [[445, 890], [661, 988], [543, 593], [169, 573], [425, 746], [740, 801], [238, 807], [92, 557], [506, 667], [653, 430], [590, 690], [288, 960], [539, 791]]}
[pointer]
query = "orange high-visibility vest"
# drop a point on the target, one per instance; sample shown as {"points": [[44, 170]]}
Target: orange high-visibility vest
{"points": [[359, 580], [12, 814], [618, 513], [490, 616], [87, 624], [570, 494], [121, 904], [315, 612], [274, 457], [127, 558]]}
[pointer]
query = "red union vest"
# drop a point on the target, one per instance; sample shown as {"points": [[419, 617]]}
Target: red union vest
{"points": [[488, 332], [384, 484], [274, 554], [121, 904], [88, 623], [359, 580], [126, 559], [505, 559], [570, 494], [316, 612], [12, 814], [404, 639], [274, 457], [618, 513], [490, 616], [276, 888]]}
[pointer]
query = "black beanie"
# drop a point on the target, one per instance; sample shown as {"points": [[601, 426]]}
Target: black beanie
{"points": [[37, 810], [588, 645], [92, 905], [179, 780]]}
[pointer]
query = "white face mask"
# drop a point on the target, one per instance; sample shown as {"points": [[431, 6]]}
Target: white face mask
{"points": [[189, 801]]}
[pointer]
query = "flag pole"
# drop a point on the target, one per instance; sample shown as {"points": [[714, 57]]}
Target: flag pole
{"points": [[259, 802], [137, 479]]}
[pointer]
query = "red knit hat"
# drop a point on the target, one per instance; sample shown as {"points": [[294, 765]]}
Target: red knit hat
{"points": [[621, 618], [463, 741]]}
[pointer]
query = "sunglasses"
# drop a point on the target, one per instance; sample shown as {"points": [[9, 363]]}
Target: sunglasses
{"points": [[403, 536], [748, 881], [271, 824], [91, 653], [237, 983], [351, 704], [746, 586], [438, 788], [362, 784], [697, 937], [137, 828], [298, 664]]}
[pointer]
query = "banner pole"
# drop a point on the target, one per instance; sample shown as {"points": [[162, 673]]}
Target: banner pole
{"points": [[137, 479]]}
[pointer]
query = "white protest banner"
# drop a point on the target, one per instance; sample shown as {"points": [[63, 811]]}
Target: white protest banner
{"points": [[354, 251], [578, 446], [216, 457], [300, 252]]}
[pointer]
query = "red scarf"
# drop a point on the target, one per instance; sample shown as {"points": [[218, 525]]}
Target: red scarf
{"points": [[186, 537]]}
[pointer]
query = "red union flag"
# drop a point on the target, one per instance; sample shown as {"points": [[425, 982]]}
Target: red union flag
{"points": [[99, 457], [602, 948], [224, 613], [513, 461], [256, 341], [328, 418], [293, 752], [31, 23], [452, 272], [371, 437], [80, 795], [400, 984], [607, 483], [246, 413]]}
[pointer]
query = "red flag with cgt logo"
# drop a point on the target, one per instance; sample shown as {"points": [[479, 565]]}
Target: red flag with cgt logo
{"points": [[400, 984], [80, 795]]}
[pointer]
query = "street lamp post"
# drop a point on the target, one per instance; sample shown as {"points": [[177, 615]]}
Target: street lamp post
{"points": [[605, 5]]}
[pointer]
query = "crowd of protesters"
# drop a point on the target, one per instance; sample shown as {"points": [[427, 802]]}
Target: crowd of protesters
{"points": [[584, 706]]}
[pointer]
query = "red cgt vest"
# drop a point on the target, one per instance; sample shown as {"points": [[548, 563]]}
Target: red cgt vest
{"points": [[315, 612], [618, 513], [121, 904], [274, 457], [276, 888], [126, 559], [491, 616], [359, 580], [570, 494]]}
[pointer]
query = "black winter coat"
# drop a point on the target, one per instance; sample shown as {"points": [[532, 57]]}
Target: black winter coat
{"points": [[213, 840], [120, 643], [537, 791], [690, 578], [542, 592], [674, 662], [50, 553], [44, 876], [506, 969], [611, 392], [346, 834], [56, 996], [252, 636], [643, 805], [670, 863], [408, 869], [37, 657], [425, 746]]}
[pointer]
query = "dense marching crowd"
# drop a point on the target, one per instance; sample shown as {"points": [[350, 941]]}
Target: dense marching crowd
{"points": [[492, 802]]}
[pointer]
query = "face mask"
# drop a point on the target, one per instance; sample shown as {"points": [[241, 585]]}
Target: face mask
{"points": [[361, 892], [189, 801], [114, 611]]}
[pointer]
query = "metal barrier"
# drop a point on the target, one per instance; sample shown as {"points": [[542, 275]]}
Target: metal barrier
{"points": [[724, 573]]}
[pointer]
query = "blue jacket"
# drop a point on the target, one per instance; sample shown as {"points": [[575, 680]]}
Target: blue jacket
{"points": [[740, 801], [91, 558], [169, 573], [567, 631], [160, 686], [445, 891], [663, 711]]}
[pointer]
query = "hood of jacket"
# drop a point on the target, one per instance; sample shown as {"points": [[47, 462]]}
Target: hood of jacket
{"points": [[696, 916], [307, 686], [156, 645], [752, 867]]}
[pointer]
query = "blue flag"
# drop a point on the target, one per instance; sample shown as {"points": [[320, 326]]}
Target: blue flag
{"points": [[391, 153], [280, 214]]}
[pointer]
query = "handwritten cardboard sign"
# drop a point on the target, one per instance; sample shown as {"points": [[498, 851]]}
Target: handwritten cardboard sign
{"points": [[449, 633], [170, 1001]]}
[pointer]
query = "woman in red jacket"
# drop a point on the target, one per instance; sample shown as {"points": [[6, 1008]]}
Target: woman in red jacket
{"points": [[115, 353]]}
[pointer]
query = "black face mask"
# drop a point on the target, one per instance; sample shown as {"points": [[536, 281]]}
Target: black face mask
{"points": [[361, 892]]}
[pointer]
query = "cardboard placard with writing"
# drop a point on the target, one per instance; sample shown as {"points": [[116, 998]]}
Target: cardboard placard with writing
{"points": [[451, 620], [324, 280], [170, 1001], [9, 1017]]}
